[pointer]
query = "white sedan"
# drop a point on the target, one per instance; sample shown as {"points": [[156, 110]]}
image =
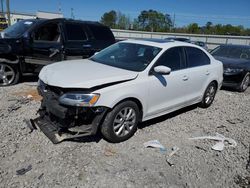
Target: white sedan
{"points": [[129, 82]]}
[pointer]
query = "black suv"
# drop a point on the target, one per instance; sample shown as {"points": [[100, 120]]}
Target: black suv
{"points": [[29, 44]]}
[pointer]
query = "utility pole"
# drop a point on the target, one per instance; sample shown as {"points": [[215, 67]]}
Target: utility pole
{"points": [[8, 11], [60, 7], [2, 6], [174, 22], [72, 13]]}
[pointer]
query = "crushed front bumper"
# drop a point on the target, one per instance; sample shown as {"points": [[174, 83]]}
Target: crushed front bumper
{"points": [[59, 122], [57, 132]]}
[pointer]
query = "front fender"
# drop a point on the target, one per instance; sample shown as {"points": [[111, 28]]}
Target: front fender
{"points": [[111, 96]]}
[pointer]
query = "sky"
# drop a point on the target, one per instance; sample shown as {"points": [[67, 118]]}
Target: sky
{"points": [[235, 12]]}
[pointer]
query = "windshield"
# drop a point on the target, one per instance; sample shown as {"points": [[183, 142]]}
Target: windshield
{"points": [[232, 52], [129, 56], [17, 29]]}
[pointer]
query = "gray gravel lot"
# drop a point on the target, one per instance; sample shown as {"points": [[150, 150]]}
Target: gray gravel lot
{"points": [[93, 162]]}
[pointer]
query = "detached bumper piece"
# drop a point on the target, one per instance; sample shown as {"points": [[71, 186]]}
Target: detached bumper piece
{"points": [[53, 133]]}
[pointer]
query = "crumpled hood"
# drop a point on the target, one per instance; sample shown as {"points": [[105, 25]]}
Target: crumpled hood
{"points": [[83, 73]]}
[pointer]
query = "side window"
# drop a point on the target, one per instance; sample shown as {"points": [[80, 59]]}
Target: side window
{"points": [[48, 33], [101, 32], [172, 58], [196, 57], [75, 32]]}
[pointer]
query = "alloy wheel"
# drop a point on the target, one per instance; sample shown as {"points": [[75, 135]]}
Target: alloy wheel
{"points": [[211, 91], [7, 74], [124, 121], [245, 82]]}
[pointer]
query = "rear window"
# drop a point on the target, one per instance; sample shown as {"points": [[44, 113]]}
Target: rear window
{"points": [[101, 32], [196, 57]]}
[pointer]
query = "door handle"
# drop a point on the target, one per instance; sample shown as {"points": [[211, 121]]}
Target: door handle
{"points": [[185, 78], [207, 72], [86, 46]]}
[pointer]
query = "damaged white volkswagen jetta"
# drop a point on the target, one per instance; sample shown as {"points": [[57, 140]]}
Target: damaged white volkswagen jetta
{"points": [[129, 82]]}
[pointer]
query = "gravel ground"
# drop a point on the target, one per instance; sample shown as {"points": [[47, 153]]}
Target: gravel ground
{"points": [[93, 162]]}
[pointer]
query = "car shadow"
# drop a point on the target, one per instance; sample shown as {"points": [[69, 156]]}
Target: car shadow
{"points": [[30, 78], [96, 138], [85, 139]]}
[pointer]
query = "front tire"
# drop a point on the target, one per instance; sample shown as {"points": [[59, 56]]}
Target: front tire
{"points": [[9, 74], [121, 123], [209, 95], [245, 83]]}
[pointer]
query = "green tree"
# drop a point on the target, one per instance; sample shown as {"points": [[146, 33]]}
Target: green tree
{"points": [[123, 21], [109, 19], [193, 28], [152, 20]]}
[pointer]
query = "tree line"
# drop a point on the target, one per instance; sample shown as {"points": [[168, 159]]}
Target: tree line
{"points": [[155, 21]]}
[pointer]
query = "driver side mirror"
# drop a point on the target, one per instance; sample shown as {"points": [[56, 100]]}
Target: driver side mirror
{"points": [[162, 70]]}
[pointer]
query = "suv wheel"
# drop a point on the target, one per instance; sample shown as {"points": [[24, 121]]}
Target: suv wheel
{"points": [[9, 74], [121, 123], [245, 83], [209, 95]]}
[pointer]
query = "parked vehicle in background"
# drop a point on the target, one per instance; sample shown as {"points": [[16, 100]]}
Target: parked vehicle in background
{"points": [[236, 62], [201, 44], [179, 39], [129, 82], [3, 23], [29, 44]]}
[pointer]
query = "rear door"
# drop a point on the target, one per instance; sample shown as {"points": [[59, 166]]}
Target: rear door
{"points": [[77, 44], [46, 44], [101, 36], [199, 70]]}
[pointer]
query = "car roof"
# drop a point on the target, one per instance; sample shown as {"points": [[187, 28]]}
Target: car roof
{"points": [[160, 43], [65, 20]]}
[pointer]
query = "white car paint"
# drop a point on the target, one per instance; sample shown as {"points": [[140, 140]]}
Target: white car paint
{"points": [[82, 74], [181, 88]]}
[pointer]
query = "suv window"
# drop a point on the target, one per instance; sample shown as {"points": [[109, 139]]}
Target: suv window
{"points": [[196, 57], [75, 32], [172, 58], [48, 32], [101, 32]]}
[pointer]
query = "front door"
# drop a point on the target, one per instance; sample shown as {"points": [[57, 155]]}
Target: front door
{"points": [[46, 44], [167, 92]]}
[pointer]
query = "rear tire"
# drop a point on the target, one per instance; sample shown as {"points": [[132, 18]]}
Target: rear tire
{"points": [[209, 95], [121, 123], [9, 74], [244, 83]]}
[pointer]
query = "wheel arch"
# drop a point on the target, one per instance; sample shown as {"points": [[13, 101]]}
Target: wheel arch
{"points": [[137, 101], [216, 82]]}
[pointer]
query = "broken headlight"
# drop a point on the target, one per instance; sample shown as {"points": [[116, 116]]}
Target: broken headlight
{"points": [[79, 99]]}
